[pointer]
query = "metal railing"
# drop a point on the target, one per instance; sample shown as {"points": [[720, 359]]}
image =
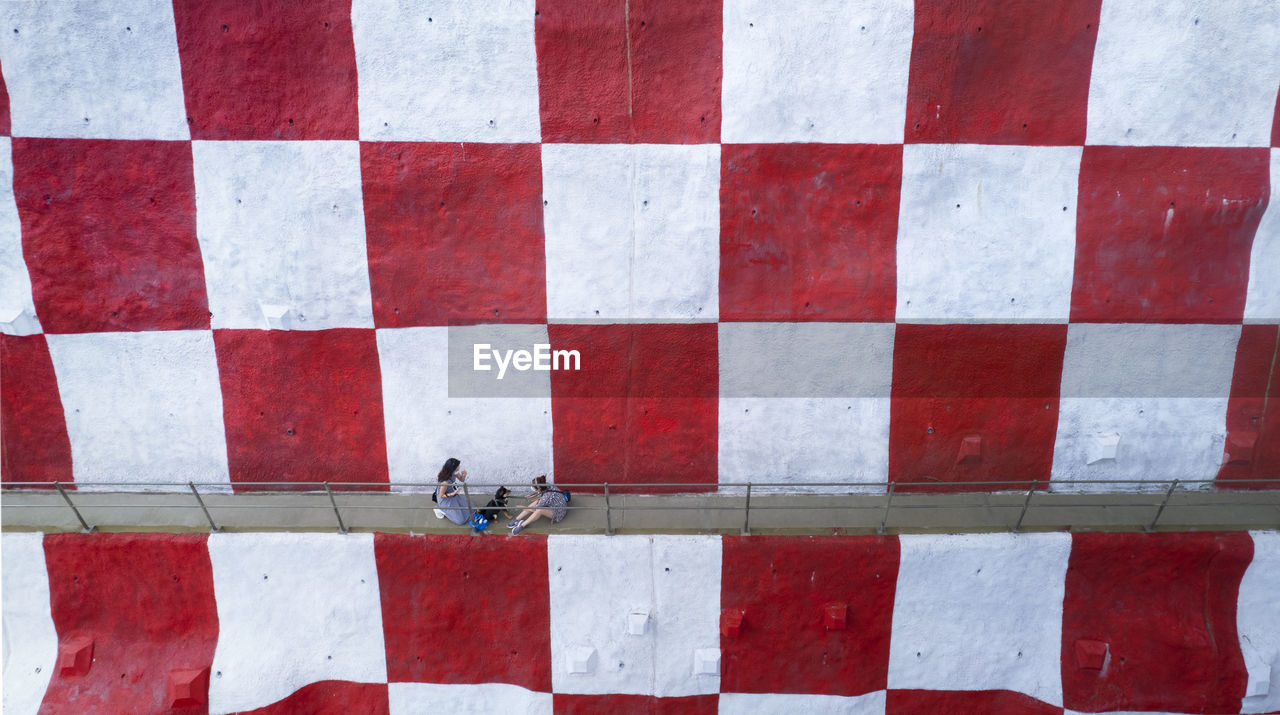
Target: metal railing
{"points": [[803, 503]]}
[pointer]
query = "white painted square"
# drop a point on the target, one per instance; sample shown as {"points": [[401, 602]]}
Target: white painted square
{"points": [[805, 439], [30, 638], [282, 223], [632, 231], [499, 440], [447, 70], [597, 580], [1161, 438], [293, 609], [980, 612], [987, 233], [1258, 621], [15, 281], [1262, 302], [107, 69], [480, 698], [1185, 73], [824, 71], [872, 703], [142, 407]]}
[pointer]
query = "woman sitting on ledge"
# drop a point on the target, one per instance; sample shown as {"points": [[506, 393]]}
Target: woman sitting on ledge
{"points": [[449, 495], [545, 502]]}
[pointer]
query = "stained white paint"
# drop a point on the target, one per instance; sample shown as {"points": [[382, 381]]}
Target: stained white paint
{"points": [[447, 70], [596, 581], [30, 639], [983, 611], [1262, 303], [1161, 438], [824, 71], [986, 233], [632, 231], [478, 699], [95, 70], [804, 439], [282, 223], [1185, 73], [142, 407], [1258, 621], [791, 704], [15, 281], [293, 609], [499, 440]]}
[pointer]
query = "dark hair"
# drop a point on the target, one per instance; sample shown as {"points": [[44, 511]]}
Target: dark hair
{"points": [[540, 483], [446, 472]]}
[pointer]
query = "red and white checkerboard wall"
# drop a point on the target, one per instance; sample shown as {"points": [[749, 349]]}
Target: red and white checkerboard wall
{"points": [[814, 241], [990, 624]]}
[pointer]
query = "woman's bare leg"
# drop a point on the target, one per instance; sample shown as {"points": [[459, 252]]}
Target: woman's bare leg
{"points": [[537, 514]]}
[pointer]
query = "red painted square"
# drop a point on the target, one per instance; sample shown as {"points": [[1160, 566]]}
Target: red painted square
{"points": [[643, 409], [965, 702], [269, 69], [33, 429], [302, 406], [955, 382], [647, 71], [565, 704], [1166, 605], [1001, 71], [788, 581], [489, 599], [147, 603], [454, 233], [809, 231], [109, 234], [1164, 234], [1257, 366], [330, 697]]}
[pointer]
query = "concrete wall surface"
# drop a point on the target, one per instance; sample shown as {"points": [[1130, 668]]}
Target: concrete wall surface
{"points": [[864, 242], [990, 623]]}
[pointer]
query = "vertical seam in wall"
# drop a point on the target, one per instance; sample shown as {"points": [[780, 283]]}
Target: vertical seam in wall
{"points": [[626, 30]]}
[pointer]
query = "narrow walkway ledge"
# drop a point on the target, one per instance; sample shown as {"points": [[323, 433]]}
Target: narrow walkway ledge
{"points": [[724, 512]]}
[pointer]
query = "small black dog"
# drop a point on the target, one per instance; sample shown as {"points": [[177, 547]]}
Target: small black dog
{"points": [[497, 505]]}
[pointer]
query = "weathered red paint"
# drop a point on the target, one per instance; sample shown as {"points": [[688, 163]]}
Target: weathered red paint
{"points": [[1275, 123], [109, 234], [615, 704], [1001, 72], [966, 702], [643, 409], [1164, 234], [998, 382], [330, 697], [454, 233], [5, 127], [270, 69], [465, 610], [33, 430], [783, 583], [302, 406], [147, 602], [1166, 605], [1253, 410], [809, 231], [645, 71]]}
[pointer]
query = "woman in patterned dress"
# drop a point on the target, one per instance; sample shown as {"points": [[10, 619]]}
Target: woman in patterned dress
{"points": [[545, 502]]}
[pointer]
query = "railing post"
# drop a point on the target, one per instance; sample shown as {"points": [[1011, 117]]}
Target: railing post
{"points": [[342, 528], [1018, 527], [466, 496], [1160, 511], [608, 517], [888, 503], [212, 526], [746, 517], [74, 510]]}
